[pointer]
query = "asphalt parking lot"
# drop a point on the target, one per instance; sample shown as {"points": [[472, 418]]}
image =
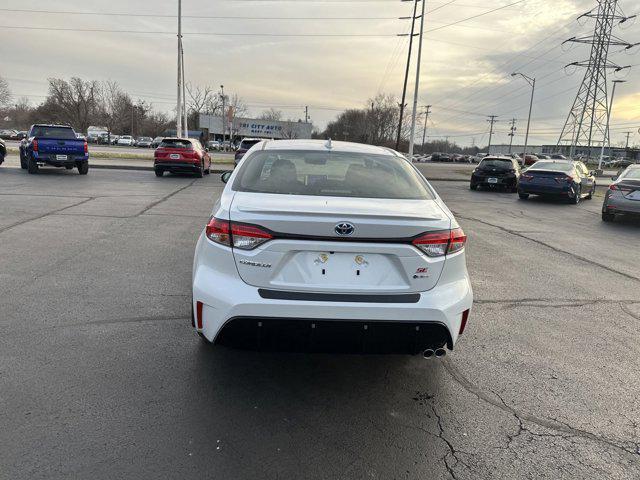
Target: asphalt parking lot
{"points": [[101, 375]]}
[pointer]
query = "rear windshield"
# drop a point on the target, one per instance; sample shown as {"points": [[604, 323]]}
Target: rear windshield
{"points": [[335, 174], [247, 144], [496, 163], [53, 132], [631, 174], [175, 143], [553, 166]]}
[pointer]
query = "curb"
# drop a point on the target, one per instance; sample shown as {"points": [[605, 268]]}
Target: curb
{"points": [[142, 168]]}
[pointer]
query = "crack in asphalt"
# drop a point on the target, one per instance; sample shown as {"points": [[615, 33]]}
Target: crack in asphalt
{"points": [[547, 245], [550, 424], [53, 212], [626, 310], [555, 303], [452, 450], [165, 198]]}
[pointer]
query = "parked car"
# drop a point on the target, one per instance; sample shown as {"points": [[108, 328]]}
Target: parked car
{"points": [[156, 142], [542, 156], [181, 155], [144, 142], [330, 246], [114, 139], [21, 135], [558, 178], [3, 151], [530, 159], [557, 156], [244, 146], [623, 196], [126, 140], [54, 145], [213, 145], [9, 134], [496, 172]]}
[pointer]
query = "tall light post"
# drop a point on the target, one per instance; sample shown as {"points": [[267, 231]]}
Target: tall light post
{"points": [[424, 130], [179, 99], [532, 82], [417, 86], [224, 116], [607, 133]]}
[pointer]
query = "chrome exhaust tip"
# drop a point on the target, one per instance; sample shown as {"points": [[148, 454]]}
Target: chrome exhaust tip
{"points": [[441, 352], [428, 353]]}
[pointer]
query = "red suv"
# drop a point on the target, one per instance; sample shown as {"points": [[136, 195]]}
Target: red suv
{"points": [[181, 155]]}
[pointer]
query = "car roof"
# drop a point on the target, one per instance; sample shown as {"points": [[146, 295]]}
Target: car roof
{"points": [[497, 157], [321, 146]]}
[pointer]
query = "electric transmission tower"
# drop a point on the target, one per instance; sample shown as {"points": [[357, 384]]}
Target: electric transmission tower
{"points": [[586, 123]]}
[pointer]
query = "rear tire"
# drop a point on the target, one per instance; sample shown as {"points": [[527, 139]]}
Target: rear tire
{"points": [[83, 167], [200, 172], [577, 196], [523, 196], [473, 187], [593, 190], [159, 172], [608, 217], [23, 162], [32, 166]]}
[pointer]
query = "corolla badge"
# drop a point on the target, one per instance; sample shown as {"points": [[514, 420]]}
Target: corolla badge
{"points": [[345, 229]]}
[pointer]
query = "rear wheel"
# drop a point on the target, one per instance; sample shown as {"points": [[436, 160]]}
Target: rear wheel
{"points": [[83, 167], [523, 196], [473, 186], [200, 172], [593, 190], [159, 172], [1, 158], [577, 195], [32, 165], [608, 217], [23, 162]]}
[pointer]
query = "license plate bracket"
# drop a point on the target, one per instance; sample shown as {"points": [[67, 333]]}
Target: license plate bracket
{"points": [[174, 156], [62, 158], [492, 180]]}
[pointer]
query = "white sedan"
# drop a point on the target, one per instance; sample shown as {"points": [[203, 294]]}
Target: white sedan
{"points": [[330, 247], [126, 140]]}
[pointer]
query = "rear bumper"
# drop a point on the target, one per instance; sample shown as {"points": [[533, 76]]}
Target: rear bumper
{"points": [[228, 302], [52, 160], [545, 189], [501, 181], [621, 206], [177, 166]]}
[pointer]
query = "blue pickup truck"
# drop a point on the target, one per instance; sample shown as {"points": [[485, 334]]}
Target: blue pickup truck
{"points": [[55, 145]]}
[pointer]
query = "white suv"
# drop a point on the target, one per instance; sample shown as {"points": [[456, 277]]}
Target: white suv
{"points": [[330, 246]]}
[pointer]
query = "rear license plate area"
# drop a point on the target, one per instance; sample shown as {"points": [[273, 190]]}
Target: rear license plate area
{"points": [[492, 180], [175, 156], [62, 157]]}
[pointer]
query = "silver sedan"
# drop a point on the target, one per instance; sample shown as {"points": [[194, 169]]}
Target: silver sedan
{"points": [[623, 196]]}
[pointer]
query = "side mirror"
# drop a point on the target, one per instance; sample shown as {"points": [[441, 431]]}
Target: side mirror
{"points": [[226, 176]]}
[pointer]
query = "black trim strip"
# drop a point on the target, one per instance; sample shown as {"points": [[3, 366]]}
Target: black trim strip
{"points": [[339, 297]]}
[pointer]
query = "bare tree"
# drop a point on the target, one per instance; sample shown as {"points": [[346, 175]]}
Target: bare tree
{"points": [[75, 102], [116, 107], [271, 114], [5, 93]]}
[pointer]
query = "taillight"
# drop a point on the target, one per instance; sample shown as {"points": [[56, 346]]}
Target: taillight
{"points": [[218, 231], [35, 145], [437, 244], [199, 306], [86, 147], [620, 188], [238, 235], [248, 237]]}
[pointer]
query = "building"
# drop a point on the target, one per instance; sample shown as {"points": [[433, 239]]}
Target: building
{"points": [[253, 127]]}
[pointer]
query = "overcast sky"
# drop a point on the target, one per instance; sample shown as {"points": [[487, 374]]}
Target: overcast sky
{"points": [[466, 67]]}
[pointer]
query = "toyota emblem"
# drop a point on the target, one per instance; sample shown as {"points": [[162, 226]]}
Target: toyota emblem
{"points": [[345, 229]]}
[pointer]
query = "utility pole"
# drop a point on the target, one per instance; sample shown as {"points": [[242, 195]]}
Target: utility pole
{"points": [[406, 72], [492, 120], [607, 134], [414, 113], [306, 114], [627, 144], [179, 104], [424, 130], [512, 134]]}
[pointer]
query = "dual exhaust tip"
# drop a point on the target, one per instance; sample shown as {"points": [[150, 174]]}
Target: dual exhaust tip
{"points": [[437, 353]]}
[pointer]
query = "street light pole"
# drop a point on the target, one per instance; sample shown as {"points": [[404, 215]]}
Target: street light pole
{"points": [[224, 116], [424, 130], [417, 85], [406, 73], [607, 134], [532, 82], [179, 102]]}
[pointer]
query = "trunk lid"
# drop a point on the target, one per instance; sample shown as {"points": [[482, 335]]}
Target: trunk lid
{"points": [[60, 146], [307, 254]]}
